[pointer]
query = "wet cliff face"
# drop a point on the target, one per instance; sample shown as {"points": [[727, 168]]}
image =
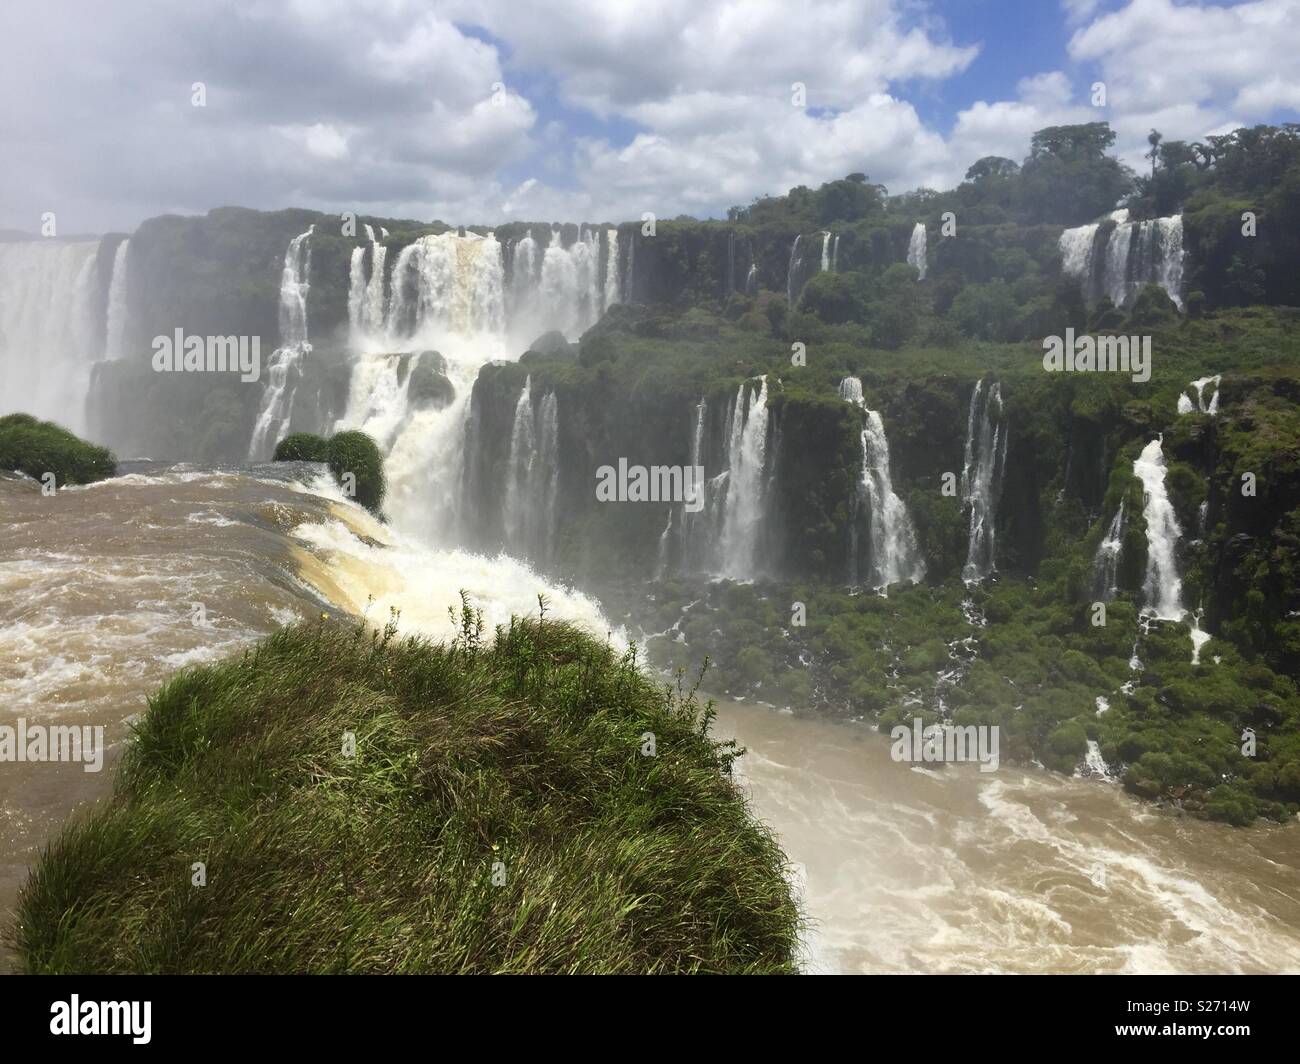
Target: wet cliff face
{"points": [[701, 307]]}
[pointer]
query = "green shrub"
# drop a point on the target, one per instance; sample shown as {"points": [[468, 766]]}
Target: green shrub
{"points": [[357, 454], [302, 447], [40, 447]]}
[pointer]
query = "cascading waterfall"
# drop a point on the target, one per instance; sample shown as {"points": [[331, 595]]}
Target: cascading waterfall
{"points": [[447, 294], [830, 247], [1077, 250], [742, 508], [916, 252], [981, 478], [528, 512], [792, 272], [277, 396], [367, 305], [894, 556], [613, 294], [376, 306], [692, 535], [629, 275], [1163, 589], [1105, 564], [1115, 275], [1185, 404], [1117, 263], [570, 290], [50, 329], [115, 324]]}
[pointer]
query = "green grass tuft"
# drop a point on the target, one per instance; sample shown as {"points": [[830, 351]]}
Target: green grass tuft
{"points": [[525, 751]]}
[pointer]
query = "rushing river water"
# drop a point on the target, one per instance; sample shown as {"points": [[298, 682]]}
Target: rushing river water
{"points": [[108, 589]]}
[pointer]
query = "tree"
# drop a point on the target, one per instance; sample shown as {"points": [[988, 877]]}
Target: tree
{"points": [[991, 168], [1068, 178], [1154, 138]]}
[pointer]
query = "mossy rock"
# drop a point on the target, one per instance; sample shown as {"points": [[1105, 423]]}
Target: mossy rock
{"points": [[429, 388], [551, 343]]}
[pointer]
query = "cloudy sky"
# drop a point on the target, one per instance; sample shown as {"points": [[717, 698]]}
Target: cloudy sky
{"points": [[484, 110]]}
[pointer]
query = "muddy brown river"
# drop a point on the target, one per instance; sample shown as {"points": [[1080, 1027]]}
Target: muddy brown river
{"points": [[108, 589]]}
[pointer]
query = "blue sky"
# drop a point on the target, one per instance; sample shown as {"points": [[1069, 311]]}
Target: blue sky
{"points": [[610, 108]]}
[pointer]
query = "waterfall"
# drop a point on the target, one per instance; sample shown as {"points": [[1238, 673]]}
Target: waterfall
{"points": [[447, 295], [1163, 589], [743, 504], [827, 260], [916, 250], [981, 478], [1105, 564], [1120, 262], [1115, 271], [751, 279], [50, 328], [1093, 763], [115, 324], [356, 293], [367, 305], [524, 267], [697, 532], [1185, 404], [1077, 250], [629, 276], [375, 304], [1160, 255], [528, 513], [612, 292], [792, 272], [570, 289], [894, 556], [283, 369]]}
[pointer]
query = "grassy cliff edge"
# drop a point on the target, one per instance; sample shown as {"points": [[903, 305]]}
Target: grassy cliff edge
{"points": [[353, 801]]}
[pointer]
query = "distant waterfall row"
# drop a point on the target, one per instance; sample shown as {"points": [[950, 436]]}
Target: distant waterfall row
{"points": [[1117, 258], [63, 307], [471, 284]]}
